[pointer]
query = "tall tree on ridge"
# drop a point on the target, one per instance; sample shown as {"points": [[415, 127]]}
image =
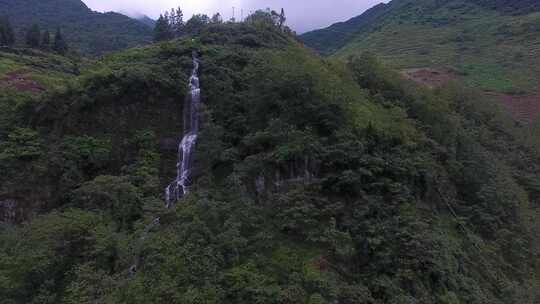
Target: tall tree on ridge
{"points": [[176, 21], [33, 36], [216, 19], [282, 18], [196, 23], [60, 45], [46, 40], [162, 31], [7, 36]]}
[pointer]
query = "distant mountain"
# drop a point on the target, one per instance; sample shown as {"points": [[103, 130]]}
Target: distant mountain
{"points": [[147, 20], [90, 32], [139, 17], [337, 35], [492, 45]]}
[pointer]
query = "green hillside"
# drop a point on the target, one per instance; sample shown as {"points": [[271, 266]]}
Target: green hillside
{"points": [[489, 45], [89, 32], [331, 39], [26, 74], [316, 181]]}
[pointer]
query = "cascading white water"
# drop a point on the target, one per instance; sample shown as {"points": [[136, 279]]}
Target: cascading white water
{"points": [[186, 150], [179, 187]]}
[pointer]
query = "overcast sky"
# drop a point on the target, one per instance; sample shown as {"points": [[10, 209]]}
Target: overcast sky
{"points": [[303, 15]]}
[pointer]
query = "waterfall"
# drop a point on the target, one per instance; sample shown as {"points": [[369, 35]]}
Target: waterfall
{"points": [[186, 150]]}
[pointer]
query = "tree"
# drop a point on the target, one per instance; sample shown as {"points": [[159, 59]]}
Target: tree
{"points": [[275, 17], [282, 18], [196, 23], [216, 19], [33, 36], [176, 21], [7, 36], [60, 45], [278, 18], [46, 40], [162, 31], [261, 18], [112, 194]]}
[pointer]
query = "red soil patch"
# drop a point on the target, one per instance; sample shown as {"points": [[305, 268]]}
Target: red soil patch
{"points": [[21, 81], [524, 108], [431, 77]]}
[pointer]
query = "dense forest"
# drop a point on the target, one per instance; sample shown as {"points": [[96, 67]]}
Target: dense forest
{"points": [[316, 180]]}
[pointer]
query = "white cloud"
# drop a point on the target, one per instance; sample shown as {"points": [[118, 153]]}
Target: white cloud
{"points": [[302, 14]]}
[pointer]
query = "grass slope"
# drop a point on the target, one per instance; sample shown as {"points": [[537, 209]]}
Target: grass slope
{"points": [[491, 49], [27, 74], [331, 39]]}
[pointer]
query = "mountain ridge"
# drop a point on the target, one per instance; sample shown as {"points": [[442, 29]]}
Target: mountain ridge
{"points": [[341, 31], [91, 32]]}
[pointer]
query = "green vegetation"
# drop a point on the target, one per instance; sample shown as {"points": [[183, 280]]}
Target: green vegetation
{"points": [[330, 39], [487, 48], [24, 76], [90, 33], [316, 182], [33, 36], [60, 45], [7, 35]]}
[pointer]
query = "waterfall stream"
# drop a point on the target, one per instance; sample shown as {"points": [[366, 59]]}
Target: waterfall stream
{"points": [[179, 187], [186, 150]]}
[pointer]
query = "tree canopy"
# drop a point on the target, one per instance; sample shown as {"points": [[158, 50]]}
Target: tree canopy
{"points": [[7, 35], [60, 45]]}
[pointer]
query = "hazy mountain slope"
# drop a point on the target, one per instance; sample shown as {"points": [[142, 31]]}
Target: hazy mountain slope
{"points": [[490, 49], [147, 20], [336, 36], [315, 182], [90, 32]]}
